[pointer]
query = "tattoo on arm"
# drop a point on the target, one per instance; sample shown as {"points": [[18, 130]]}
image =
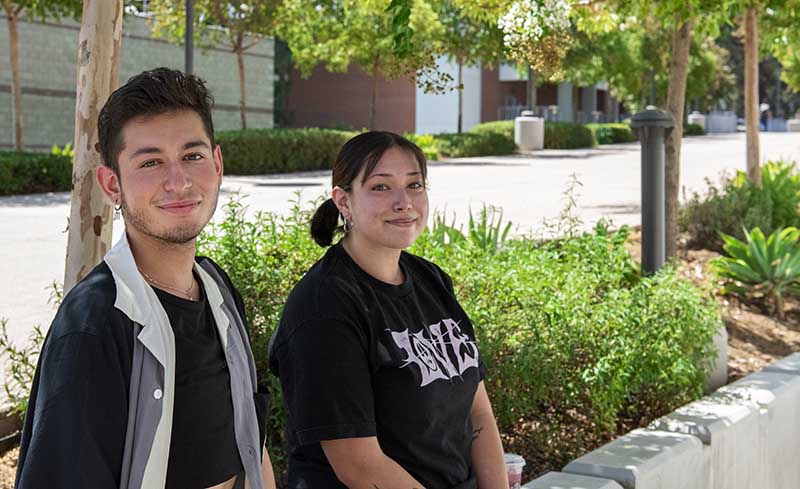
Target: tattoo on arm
{"points": [[476, 432]]}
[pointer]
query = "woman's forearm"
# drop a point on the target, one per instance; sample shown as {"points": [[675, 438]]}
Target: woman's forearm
{"points": [[487, 449], [359, 463]]}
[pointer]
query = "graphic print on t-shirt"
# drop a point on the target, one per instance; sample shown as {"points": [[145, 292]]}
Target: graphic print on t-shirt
{"points": [[441, 351]]}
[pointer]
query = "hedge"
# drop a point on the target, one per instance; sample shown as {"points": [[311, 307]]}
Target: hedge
{"points": [[263, 151], [474, 144], [28, 173], [693, 130], [557, 135], [567, 135], [611, 133]]}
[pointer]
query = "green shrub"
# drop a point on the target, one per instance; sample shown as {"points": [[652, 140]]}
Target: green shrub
{"points": [[467, 144], [567, 135], [762, 268], [612, 133], [693, 130], [565, 326], [557, 135], [28, 173], [738, 204], [505, 128], [263, 151], [426, 142]]}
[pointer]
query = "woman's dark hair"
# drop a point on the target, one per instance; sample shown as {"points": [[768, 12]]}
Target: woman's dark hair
{"points": [[361, 153], [150, 93]]}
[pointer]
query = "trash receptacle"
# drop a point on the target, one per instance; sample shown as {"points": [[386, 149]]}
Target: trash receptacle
{"points": [[529, 131], [793, 125]]}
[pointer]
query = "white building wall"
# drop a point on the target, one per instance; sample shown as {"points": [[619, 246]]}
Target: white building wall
{"points": [[439, 113]]}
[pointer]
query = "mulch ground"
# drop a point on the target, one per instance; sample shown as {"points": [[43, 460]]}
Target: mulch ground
{"points": [[755, 339]]}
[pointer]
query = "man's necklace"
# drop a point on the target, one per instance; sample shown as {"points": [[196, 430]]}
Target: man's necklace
{"points": [[185, 293]]}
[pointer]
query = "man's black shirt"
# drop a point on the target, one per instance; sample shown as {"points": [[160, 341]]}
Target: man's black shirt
{"points": [[202, 449]]}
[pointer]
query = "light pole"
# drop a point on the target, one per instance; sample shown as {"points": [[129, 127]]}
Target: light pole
{"points": [[188, 56]]}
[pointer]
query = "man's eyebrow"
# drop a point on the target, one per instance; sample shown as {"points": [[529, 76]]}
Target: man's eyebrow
{"points": [[155, 150], [145, 150], [196, 144]]}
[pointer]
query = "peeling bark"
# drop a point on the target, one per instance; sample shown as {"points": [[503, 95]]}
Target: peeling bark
{"points": [[90, 221]]}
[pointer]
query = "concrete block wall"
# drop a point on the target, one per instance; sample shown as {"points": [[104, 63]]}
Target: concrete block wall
{"points": [[744, 435], [48, 55]]}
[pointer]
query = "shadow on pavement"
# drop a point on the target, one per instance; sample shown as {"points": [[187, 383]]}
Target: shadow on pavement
{"points": [[36, 200], [288, 184], [616, 208]]}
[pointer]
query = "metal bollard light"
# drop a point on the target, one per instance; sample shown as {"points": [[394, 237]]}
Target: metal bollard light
{"points": [[652, 127]]}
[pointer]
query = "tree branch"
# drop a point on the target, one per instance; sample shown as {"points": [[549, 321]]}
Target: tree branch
{"points": [[248, 46]]}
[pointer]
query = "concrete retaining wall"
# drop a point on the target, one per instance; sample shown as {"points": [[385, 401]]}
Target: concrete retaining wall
{"points": [[744, 435]]}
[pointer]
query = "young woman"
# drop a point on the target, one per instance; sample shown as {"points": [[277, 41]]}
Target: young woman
{"points": [[381, 376]]}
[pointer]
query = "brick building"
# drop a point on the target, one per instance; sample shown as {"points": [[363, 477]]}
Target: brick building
{"points": [[328, 99]]}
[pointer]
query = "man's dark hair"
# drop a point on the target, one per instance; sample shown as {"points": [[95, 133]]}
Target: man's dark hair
{"points": [[150, 93]]}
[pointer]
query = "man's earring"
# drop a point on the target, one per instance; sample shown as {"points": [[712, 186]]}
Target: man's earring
{"points": [[117, 210]]}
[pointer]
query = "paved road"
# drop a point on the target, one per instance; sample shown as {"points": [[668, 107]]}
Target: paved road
{"points": [[528, 188]]}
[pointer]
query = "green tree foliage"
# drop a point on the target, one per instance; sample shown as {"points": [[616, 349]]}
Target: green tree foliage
{"points": [[237, 24], [362, 32], [781, 37], [467, 41]]}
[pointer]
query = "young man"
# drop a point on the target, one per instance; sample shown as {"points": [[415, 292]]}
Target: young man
{"points": [[146, 378]]}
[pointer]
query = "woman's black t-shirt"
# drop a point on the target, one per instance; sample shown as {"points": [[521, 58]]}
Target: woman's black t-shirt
{"points": [[358, 357]]}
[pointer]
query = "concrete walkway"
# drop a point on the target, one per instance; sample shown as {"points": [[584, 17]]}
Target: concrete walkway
{"points": [[528, 188]]}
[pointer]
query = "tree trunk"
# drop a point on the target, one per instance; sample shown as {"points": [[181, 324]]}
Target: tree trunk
{"points": [[240, 60], [676, 97], [460, 94], [751, 111], [16, 87], [98, 75], [373, 101]]}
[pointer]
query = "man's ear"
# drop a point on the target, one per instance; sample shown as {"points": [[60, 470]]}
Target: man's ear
{"points": [[342, 200], [109, 183], [218, 160]]}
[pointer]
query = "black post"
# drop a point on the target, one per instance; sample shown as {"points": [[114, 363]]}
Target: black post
{"points": [[652, 127], [188, 55]]}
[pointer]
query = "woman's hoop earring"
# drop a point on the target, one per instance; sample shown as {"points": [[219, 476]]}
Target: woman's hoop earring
{"points": [[117, 210], [348, 224]]}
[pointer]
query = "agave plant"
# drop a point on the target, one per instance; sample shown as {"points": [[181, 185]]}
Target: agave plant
{"points": [[762, 267]]}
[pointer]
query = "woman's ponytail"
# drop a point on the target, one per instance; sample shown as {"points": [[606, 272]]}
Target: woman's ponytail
{"points": [[324, 223]]}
